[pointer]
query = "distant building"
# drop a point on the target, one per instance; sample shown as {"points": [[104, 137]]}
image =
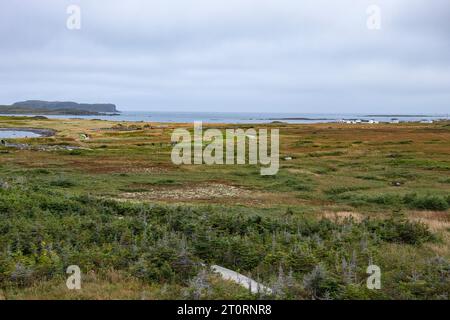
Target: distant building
{"points": [[357, 121]]}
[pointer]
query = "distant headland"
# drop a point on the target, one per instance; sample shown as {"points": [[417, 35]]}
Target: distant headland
{"points": [[59, 108]]}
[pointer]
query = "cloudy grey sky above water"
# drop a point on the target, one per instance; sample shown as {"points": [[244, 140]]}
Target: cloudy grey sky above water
{"points": [[230, 55]]}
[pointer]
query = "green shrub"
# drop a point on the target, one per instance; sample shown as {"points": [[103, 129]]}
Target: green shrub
{"points": [[428, 202], [298, 186], [400, 231], [42, 232], [320, 283], [63, 183]]}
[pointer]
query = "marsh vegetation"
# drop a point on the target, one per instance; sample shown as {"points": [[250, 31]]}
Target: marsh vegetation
{"points": [[141, 227]]}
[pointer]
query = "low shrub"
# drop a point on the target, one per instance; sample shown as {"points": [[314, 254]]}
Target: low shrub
{"points": [[400, 231], [62, 183], [428, 202]]}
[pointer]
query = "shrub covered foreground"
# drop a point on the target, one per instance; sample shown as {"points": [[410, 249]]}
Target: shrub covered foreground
{"points": [[41, 233]]}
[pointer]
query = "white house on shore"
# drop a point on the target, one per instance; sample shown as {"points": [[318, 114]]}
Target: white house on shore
{"points": [[358, 121]]}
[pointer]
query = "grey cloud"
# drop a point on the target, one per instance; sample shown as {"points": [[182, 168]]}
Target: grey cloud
{"points": [[215, 55]]}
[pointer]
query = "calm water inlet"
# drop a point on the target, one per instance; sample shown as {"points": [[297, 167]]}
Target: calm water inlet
{"points": [[14, 134]]}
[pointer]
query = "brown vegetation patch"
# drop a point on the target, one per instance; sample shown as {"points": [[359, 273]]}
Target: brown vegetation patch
{"points": [[118, 166], [342, 215], [435, 220], [302, 171]]}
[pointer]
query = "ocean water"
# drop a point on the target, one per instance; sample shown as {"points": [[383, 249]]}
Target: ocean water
{"points": [[232, 118]]}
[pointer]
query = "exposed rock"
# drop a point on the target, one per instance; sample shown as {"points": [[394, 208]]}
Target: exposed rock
{"points": [[84, 136], [4, 185], [26, 146], [248, 283]]}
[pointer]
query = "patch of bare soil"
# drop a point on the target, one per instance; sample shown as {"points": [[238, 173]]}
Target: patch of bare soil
{"points": [[213, 192], [146, 170], [190, 192]]}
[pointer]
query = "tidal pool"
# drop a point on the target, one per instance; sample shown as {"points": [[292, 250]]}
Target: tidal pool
{"points": [[14, 134]]}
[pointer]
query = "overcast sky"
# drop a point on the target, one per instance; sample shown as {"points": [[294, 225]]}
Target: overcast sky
{"points": [[230, 55]]}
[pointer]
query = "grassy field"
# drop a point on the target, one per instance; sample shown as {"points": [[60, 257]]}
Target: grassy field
{"points": [[141, 227]]}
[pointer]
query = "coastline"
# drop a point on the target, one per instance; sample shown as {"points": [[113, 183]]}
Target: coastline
{"points": [[238, 118]]}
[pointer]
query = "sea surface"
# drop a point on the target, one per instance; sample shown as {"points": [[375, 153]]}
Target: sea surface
{"points": [[232, 118]]}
